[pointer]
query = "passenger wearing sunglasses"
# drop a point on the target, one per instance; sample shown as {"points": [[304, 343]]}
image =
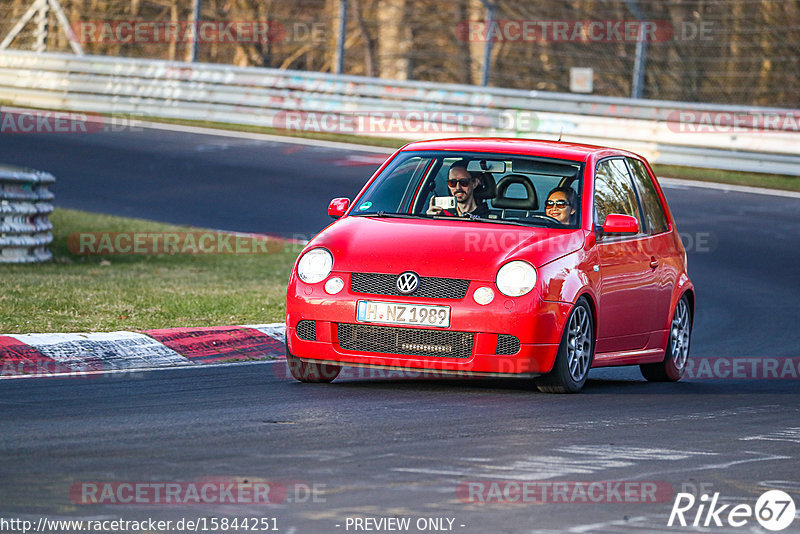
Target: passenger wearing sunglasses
{"points": [[560, 204], [462, 185]]}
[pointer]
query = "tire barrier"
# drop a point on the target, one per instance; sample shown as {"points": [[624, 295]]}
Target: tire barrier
{"points": [[25, 203]]}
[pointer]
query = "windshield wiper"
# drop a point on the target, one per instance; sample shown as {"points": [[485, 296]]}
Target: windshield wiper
{"points": [[494, 221], [384, 214], [391, 215]]}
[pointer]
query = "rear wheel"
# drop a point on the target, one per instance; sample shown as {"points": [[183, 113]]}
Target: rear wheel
{"points": [[674, 364], [575, 353], [311, 372]]}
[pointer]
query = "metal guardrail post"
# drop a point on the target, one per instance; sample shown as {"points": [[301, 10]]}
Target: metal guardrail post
{"points": [[25, 203], [196, 6], [487, 50], [640, 60], [340, 38]]}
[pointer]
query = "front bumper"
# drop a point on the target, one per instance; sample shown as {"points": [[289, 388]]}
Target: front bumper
{"points": [[535, 323]]}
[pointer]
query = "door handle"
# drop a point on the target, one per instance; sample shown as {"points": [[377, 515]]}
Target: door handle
{"points": [[653, 263]]}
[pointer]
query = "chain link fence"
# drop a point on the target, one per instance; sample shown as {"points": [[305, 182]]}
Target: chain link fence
{"points": [[741, 52]]}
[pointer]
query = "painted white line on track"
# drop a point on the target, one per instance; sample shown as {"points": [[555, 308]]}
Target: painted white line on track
{"points": [[761, 457], [577, 460], [340, 145], [267, 137], [631, 453], [676, 183], [791, 434], [667, 182]]}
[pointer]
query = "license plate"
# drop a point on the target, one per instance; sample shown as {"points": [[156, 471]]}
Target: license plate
{"points": [[369, 311]]}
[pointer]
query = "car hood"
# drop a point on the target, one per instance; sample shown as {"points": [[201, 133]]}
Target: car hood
{"points": [[441, 248]]}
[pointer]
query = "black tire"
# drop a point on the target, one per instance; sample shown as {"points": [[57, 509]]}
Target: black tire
{"points": [[671, 369], [575, 353], [311, 372]]}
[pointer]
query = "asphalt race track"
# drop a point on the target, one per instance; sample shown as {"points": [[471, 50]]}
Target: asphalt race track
{"points": [[210, 182], [418, 448]]}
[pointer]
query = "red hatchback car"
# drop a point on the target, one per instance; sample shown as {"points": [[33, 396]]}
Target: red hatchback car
{"points": [[496, 257]]}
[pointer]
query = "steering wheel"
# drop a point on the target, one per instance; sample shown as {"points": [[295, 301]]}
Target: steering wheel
{"points": [[547, 218]]}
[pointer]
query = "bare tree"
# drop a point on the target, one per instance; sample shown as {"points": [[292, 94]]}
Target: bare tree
{"points": [[394, 39]]}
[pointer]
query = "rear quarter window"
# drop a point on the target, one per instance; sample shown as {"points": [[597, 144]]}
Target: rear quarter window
{"points": [[651, 203]]}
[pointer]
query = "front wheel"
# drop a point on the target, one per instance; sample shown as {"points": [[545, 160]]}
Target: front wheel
{"points": [[674, 364], [311, 372], [575, 353]]}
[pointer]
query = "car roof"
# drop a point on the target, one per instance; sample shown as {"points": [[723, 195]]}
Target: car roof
{"points": [[532, 147]]}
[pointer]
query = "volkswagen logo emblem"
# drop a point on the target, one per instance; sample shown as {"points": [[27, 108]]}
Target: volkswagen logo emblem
{"points": [[407, 283]]}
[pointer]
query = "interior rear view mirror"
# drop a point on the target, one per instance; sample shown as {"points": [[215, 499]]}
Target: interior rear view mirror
{"points": [[487, 165]]}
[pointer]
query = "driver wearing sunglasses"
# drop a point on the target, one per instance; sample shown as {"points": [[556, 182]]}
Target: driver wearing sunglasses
{"points": [[461, 184]]}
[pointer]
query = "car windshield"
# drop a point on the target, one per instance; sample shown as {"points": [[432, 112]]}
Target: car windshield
{"points": [[486, 187]]}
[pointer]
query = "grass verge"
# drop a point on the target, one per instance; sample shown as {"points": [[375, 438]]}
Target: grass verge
{"points": [[78, 293]]}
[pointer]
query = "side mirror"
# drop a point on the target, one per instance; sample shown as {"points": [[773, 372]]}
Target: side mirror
{"points": [[338, 206], [617, 223]]}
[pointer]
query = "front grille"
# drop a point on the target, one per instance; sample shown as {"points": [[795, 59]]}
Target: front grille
{"points": [[386, 284], [507, 344], [409, 341], [307, 330]]}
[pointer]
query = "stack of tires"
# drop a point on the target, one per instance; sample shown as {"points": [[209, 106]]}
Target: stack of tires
{"points": [[25, 203]]}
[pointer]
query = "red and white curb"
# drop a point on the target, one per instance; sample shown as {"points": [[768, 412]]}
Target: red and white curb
{"points": [[32, 355]]}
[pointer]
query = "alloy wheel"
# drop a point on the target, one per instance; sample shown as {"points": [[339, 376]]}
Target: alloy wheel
{"points": [[679, 334], [579, 344]]}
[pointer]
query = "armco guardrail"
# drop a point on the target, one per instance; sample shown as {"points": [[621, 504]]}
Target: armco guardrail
{"points": [[25, 203], [665, 132]]}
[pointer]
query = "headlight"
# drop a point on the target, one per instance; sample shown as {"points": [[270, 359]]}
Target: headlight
{"points": [[315, 265], [516, 278]]}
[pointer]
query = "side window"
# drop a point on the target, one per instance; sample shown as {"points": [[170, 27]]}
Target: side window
{"points": [[651, 204], [394, 189], [613, 191]]}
